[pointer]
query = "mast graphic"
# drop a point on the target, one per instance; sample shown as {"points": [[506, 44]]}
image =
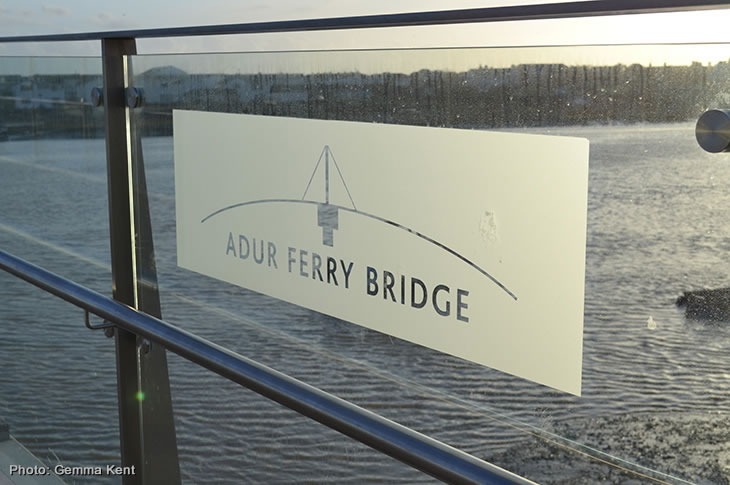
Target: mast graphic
{"points": [[328, 214]]}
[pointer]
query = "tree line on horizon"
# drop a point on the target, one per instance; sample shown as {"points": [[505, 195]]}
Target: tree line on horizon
{"points": [[527, 95]]}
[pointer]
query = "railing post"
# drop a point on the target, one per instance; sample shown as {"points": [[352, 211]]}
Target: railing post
{"points": [[146, 425]]}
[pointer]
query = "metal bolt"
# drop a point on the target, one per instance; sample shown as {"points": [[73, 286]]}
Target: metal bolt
{"points": [[97, 97], [144, 346], [713, 130], [135, 97]]}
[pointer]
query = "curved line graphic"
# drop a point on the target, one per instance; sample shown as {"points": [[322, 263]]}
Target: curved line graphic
{"points": [[372, 216]]}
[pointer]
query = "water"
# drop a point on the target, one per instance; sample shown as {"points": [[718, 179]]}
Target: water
{"points": [[656, 227]]}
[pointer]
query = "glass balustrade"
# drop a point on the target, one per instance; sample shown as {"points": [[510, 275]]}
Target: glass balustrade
{"points": [[652, 376], [654, 402], [57, 382]]}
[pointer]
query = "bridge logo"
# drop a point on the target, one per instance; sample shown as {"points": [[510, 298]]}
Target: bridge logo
{"points": [[328, 214]]}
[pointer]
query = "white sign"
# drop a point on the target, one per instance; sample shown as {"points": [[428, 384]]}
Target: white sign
{"points": [[468, 242]]}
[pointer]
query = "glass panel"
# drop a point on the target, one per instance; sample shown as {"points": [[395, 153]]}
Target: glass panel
{"points": [[53, 162], [227, 434], [654, 402], [57, 378]]}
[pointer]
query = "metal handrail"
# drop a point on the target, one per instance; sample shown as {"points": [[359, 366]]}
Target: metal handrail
{"points": [[472, 15], [415, 449]]}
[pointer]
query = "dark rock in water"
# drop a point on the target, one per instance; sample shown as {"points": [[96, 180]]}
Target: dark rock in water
{"points": [[706, 304]]}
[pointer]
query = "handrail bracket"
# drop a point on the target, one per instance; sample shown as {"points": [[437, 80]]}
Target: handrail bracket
{"points": [[106, 325]]}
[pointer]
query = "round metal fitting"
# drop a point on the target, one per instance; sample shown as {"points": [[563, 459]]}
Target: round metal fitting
{"points": [[713, 130], [97, 97], [144, 346], [135, 97]]}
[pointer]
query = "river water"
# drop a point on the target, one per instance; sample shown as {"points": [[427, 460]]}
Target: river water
{"points": [[655, 401]]}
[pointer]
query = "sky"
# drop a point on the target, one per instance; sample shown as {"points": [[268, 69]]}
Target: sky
{"points": [[28, 17]]}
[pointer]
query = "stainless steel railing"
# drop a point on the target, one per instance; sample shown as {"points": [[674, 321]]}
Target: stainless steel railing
{"points": [[410, 447], [472, 15]]}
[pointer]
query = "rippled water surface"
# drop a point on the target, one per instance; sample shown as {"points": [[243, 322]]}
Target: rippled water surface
{"points": [[657, 225]]}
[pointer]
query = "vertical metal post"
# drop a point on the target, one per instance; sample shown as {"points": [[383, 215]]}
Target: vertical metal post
{"points": [[146, 426]]}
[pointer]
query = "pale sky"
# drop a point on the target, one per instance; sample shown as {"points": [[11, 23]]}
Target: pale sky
{"points": [[36, 17]]}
